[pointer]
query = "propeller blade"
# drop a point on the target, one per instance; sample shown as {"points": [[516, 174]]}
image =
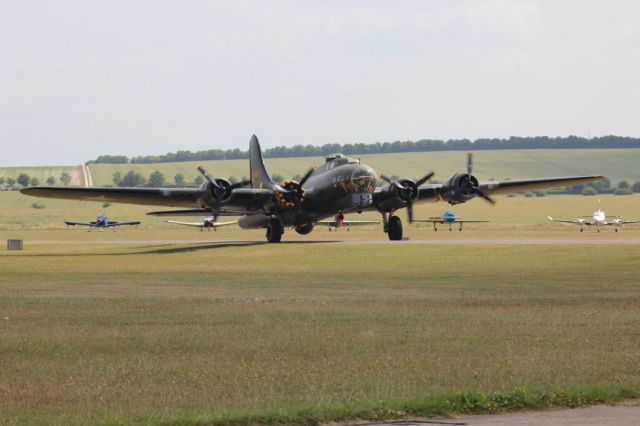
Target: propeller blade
{"points": [[410, 211], [383, 177], [241, 184], [424, 179], [208, 177], [306, 176], [485, 196], [469, 163]]}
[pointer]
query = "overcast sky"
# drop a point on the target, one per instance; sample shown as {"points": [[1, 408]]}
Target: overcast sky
{"points": [[83, 78]]}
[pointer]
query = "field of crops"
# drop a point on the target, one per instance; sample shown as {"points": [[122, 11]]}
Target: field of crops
{"points": [[617, 164]]}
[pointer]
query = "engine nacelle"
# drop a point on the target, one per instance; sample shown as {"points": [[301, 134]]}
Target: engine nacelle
{"points": [[393, 197], [459, 188], [212, 195]]}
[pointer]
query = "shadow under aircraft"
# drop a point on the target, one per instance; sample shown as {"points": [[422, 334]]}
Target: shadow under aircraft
{"points": [[341, 184]]}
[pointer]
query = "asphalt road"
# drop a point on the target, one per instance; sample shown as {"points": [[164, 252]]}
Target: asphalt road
{"points": [[591, 416]]}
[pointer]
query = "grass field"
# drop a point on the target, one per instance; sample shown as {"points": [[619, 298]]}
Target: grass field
{"points": [[93, 332], [617, 164]]}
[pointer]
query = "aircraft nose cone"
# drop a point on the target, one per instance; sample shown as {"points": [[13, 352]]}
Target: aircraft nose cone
{"points": [[364, 179]]}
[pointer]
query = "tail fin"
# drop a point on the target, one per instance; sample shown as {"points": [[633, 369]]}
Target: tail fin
{"points": [[259, 176]]}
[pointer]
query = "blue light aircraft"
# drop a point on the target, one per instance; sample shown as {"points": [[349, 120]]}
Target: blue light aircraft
{"points": [[450, 218], [101, 222]]}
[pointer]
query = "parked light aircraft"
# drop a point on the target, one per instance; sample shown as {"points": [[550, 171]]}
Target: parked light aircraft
{"points": [[340, 222], [208, 223], [340, 184], [101, 222], [450, 218], [597, 219]]}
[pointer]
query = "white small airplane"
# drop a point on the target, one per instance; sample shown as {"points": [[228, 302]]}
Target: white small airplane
{"points": [[450, 218], [208, 223], [598, 219]]}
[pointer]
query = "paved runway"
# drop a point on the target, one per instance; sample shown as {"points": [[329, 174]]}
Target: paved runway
{"points": [[591, 416]]}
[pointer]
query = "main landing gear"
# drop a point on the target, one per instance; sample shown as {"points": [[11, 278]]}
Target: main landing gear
{"points": [[274, 231], [392, 226]]}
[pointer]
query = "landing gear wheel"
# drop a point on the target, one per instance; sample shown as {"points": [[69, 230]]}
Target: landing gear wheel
{"points": [[274, 231], [395, 228]]}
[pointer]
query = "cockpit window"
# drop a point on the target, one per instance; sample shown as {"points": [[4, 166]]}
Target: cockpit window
{"points": [[363, 179]]}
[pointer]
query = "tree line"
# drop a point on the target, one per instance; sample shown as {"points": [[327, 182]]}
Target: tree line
{"points": [[24, 180], [537, 142]]}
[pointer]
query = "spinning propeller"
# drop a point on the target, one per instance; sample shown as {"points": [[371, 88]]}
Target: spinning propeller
{"points": [[291, 193], [408, 190], [471, 184]]}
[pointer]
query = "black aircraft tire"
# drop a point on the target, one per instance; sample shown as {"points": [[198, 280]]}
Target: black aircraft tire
{"points": [[274, 231], [395, 228]]}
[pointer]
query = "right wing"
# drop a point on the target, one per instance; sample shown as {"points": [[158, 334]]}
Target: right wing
{"points": [[241, 199], [80, 223]]}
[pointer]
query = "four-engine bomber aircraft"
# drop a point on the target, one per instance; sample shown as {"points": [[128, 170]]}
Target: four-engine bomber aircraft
{"points": [[598, 219], [101, 222], [340, 184], [450, 218]]}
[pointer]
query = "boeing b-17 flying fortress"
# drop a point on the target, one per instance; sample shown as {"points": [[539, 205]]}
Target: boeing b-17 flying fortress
{"points": [[338, 186]]}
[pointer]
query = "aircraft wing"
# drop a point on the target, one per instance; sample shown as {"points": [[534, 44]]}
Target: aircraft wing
{"points": [[567, 221], [113, 224], [334, 223], [201, 224], [199, 212], [79, 223], [241, 199], [432, 191]]}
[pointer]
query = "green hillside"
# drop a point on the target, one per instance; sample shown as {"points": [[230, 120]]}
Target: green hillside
{"points": [[617, 164]]}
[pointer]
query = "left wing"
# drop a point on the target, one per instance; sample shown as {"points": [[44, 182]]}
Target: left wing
{"points": [[80, 223]]}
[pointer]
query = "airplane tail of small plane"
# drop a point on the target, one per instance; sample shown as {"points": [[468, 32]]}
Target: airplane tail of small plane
{"points": [[259, 176]]}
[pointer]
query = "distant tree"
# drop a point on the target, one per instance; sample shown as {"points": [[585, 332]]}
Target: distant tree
{"points": [[34, 181], [117, 178], [65, 178], [589, 190], [51, 180], [156, 179], [623, 184], [199, 180], [602, 186], [24, 179], [622, 191], [1, 180], [11, 181], [133, 178], [179, 179], [636, 186]]}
